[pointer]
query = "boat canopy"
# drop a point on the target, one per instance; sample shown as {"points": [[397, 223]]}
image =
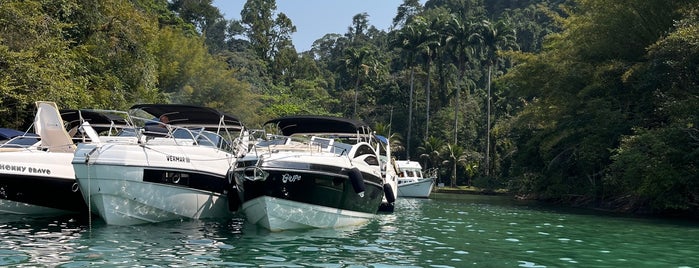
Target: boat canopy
{"points": [[100, 120], [190, 115], [309, 124]]}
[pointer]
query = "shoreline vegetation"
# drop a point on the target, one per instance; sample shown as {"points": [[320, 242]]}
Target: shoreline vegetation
{"points": [[615, 207]]}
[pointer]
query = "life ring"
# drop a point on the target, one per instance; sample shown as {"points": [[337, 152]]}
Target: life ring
{"points": [[357, 180], [388, 192]]}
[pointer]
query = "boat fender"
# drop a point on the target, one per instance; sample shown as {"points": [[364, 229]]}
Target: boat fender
{"points": [[233, 194], [388, 192], [357, 180], [234, 202]]}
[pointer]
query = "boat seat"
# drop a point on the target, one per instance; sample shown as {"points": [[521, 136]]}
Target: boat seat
{"points": [[324, 143], [49, 125], [156, 130]]}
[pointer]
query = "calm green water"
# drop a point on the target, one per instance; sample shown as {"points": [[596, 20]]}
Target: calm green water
{"points": [[445, 231]]}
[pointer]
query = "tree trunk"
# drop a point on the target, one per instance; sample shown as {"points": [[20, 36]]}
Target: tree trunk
{"points": [[356, 93], [427, 112], [487, 147], [453, 176], [410, 111]]}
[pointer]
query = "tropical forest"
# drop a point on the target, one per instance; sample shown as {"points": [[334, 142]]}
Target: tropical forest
{"points": [[591, 103]]}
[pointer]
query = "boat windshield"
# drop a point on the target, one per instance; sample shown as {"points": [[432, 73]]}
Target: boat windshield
{"points": [[202, 137], [20, 142]]}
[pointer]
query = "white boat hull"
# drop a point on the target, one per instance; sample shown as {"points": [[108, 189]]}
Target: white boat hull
{"points": [[421, 188], [119, 200], [115, 185], [278, 214]]}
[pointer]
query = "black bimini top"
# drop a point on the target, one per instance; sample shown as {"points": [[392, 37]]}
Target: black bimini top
{"points": [[190, 115], [99, 120], [300, 124]]}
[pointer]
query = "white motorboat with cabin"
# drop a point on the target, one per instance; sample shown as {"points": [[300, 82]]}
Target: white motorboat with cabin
{"points": [[163, 170], [322, 172], [411, 180]]}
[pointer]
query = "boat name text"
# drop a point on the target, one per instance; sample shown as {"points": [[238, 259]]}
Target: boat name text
{"points": [[26, 169], [173, 158], [290, 178]]}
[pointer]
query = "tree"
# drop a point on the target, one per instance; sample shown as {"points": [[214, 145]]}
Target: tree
{"points": [[207, 20], [431, 151], [410, 39], [36, 62], [267, 35], [493, 37], [460, 40], [355, 62], [405, 13], [456, 156]]}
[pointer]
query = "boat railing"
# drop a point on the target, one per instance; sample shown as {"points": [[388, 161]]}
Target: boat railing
{"points": [[301, 143], [431, 173], [153, 131]]}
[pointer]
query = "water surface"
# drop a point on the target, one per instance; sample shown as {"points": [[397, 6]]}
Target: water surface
{"points": [[444, 231]]}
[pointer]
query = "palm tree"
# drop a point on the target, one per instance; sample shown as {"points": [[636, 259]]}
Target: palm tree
{"points": [[431, 151], [354, 62], [494, 37], [456, 156], [411, 40], [433, 39], [394, 137], [460, 39]]}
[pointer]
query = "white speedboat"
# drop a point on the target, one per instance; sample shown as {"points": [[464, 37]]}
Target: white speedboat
{"points": [[160, 172], [35, 172], [411, 180], [322, 172]]}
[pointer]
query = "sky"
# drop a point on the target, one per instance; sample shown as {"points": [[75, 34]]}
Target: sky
{"points": [[315, 18]]}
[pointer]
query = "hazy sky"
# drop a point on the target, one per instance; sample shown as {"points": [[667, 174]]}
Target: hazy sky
{"points": [[315, 18]]}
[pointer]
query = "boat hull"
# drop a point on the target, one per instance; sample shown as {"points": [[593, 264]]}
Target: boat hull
{"points": [[277, 214], [37, 182], [420, 188], [124, 191], [318, 195]]}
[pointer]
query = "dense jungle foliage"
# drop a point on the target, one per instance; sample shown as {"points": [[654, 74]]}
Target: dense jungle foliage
{"points": [[587, 102]]}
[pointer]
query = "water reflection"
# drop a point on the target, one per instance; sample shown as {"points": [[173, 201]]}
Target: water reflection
{"points": [[46, 241]]}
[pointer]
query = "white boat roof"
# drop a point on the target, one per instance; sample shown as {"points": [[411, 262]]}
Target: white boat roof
{"points": [[407, 164]]}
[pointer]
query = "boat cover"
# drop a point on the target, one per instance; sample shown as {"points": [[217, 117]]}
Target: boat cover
{"points": [[189, 115], [8, 133], [99, 120], [300, 124]]}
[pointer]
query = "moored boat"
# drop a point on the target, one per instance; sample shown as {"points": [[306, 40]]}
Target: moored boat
{"points": [[320, 172], [411, 180], [162, 170], [35, 172]]}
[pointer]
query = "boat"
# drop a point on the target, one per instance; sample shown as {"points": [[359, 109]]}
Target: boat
{"points": [[411, 180], [36, 176], [313, 172], [161, 171]]}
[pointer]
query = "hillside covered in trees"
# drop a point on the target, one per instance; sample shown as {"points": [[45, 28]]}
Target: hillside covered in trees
{"points": [[585, 102]]}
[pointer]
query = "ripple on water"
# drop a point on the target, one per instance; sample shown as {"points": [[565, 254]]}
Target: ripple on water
{"points": [[11, 257], [530, 264]]}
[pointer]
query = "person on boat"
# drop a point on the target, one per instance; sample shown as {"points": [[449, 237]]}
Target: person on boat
{"points": [[164, 120]]}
